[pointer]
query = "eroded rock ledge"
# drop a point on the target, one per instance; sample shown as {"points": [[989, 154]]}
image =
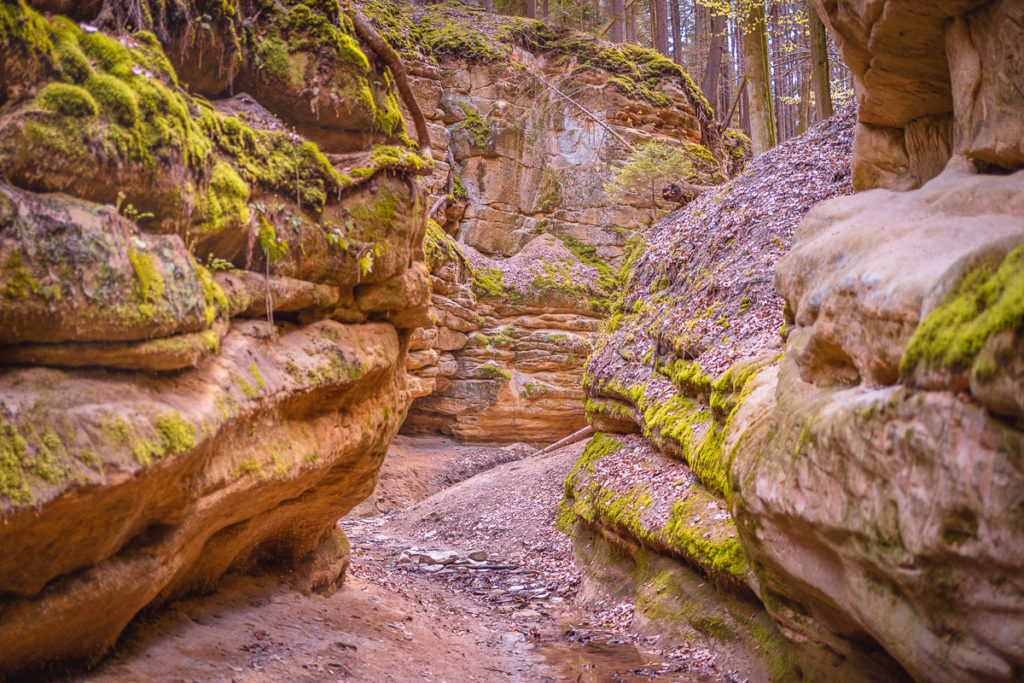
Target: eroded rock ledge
{"points": [[156, 431]]}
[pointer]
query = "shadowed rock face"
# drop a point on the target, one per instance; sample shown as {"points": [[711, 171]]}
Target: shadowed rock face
{"points": [[933, 79], [155, 430]]}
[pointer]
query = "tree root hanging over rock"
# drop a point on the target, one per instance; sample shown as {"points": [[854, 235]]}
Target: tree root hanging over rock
{"points": [[386, 53]]}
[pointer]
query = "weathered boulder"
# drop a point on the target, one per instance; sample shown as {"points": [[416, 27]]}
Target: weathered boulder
{"points": [[868, 267], [933, 80]]}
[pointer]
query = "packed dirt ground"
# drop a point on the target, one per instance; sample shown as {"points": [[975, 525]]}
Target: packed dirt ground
{"points": [[465, 583]]}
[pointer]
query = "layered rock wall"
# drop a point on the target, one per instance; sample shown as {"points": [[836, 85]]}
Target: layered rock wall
{"points": [[533, 120], [156, 429]]}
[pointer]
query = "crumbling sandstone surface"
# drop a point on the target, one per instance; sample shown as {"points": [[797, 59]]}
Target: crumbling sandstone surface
{"points": [[506, 359], [156, 430]]}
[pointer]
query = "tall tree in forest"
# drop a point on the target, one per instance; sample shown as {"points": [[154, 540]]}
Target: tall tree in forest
{"points": [[755, 57], [713, 66], [531, 9], [659, 28], [677, 33], [819, 63], [617, 9]]}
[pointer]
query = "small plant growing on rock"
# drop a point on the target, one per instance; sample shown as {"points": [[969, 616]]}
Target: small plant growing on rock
{"points": [[649, 167], [274, 249]]}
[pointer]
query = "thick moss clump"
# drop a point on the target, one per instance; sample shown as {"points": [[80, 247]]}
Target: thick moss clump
{"points": [[226, 199], [70, 100], [488, 282], [989, 300], [691, 425], [439, 247]]}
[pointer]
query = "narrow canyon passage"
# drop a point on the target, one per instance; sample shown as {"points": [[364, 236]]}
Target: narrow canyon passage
{"points": [[523, 612], [301, 301]]}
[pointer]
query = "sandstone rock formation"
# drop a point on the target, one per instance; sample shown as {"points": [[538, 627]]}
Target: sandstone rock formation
{"points": [[525, 165], [933, 80], [687, 356], [155, 430], [872, 470], [506, 358]]}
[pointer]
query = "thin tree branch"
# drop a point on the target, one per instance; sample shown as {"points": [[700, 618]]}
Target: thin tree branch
{"points": [[580, 107], [386, 53]]}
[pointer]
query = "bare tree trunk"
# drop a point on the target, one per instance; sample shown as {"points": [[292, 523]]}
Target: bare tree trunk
{"points": [[819, 64], [677, 33], [659, 17], [531, 9], [804, 120], [700, 37], [631, 23], [755, 54], [544, 11], [618, 31], [713, 67]]}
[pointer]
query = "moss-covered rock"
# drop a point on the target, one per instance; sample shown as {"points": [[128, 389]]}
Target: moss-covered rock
{"points": [[70, 272]]}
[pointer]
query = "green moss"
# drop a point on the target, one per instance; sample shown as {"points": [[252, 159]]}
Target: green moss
{"points": [[277, 162], [20, 282], [121, 434], [249, 466], [376, 216], [717, 549], [550, 190], [214, 297], [495, 372], [478, 131], [599, 446], [274, 61], [459, 189], [70, 100], [254, 371], [177, 434], [108, 53], [226, 200], [440, 35], [71, 61], [13, 448], [115, 97], [246, 388], [150, 285], [439, 247], [488, 282], [987, 301]]}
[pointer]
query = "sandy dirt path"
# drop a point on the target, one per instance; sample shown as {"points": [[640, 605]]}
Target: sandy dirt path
{"points": [[517, 614]]}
